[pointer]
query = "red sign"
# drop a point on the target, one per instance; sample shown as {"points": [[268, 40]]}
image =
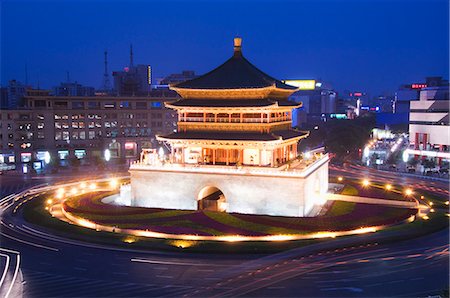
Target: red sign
{"points": [[129, 145], [418, 86], [357, 94]]}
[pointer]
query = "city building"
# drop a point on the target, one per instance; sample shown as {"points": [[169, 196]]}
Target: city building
{"points": [[83, 127], [3, 97], [318, 101], [175, 78], [133, 80], [73, 89], [429, 126], [234, 149], [14, 94]]}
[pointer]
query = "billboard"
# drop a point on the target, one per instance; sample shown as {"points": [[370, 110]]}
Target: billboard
{"points": [[302, 84]]}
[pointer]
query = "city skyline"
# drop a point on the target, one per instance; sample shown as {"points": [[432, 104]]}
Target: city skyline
{"points": [[382, 52]]}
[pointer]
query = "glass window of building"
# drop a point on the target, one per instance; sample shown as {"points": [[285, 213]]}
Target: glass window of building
{"points": [[156, 105], [125, 105], [141, 105], [109, 105], [78, 105], [93, 104]]}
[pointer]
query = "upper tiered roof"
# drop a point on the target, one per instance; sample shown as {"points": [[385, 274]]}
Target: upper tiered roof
{"points": [[236, 78]]}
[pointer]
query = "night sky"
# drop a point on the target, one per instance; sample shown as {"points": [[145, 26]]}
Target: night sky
{"points": [[371, 46]]}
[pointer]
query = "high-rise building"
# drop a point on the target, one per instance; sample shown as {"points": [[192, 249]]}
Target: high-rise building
{"points": [[318, 98], [133, 80], [16, 92]]}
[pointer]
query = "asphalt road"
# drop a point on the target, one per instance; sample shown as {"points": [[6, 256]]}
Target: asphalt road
{"points": [[52, 266]]}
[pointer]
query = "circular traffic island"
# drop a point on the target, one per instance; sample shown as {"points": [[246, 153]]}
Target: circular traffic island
{"points": [[340, 218], [92, 216]]}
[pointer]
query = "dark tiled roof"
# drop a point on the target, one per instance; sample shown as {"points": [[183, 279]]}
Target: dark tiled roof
{"points": [[232, 102], [236, 73], [239, 136]]}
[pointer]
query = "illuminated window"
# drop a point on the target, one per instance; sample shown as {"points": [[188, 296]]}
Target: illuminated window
{"points": [[125, 105], [91, 134], [156, 105], [109, 105]]}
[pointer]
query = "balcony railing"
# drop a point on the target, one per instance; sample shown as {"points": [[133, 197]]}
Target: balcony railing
{"points": [[233, 120]]}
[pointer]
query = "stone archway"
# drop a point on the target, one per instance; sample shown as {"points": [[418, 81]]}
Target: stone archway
{"points": [[211, 198]]}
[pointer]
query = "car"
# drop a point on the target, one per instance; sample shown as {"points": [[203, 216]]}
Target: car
{"points": [[411, 169]]}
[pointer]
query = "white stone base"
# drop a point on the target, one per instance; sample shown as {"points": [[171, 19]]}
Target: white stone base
{"points": [[276, 194]]}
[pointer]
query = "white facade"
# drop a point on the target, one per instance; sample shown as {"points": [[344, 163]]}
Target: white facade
{"points": [[429, 120], [246, 190]]}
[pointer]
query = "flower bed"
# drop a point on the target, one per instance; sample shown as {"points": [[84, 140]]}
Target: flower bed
{"points": [[340, 217]]}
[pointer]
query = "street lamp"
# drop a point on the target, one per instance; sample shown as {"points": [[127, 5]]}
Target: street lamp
{"points": [[405, 156], [408, 192], [107, 154], [388, 187], [113, 183], [365, 183], [47, 157]]}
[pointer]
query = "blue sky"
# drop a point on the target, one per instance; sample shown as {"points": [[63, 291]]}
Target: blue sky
{"points": [[373, 46]]}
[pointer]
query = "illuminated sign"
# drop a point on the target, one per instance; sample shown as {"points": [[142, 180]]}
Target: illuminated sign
{"points": [[418, 86], [80, 153], [149, 74], [63, 154], [357, 94], [129, 145], [302, 84], [25, 157], [338, 116]]}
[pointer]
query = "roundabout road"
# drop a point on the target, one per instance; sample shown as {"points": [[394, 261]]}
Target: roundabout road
{"points": [[53, 266]]}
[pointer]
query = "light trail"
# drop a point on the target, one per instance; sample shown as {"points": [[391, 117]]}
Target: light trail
{"points": [[29, 243], [174, 263], [13, 280], [5, 270]]}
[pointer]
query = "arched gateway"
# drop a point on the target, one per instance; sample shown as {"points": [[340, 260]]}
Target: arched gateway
{"points": [[211, 198]]}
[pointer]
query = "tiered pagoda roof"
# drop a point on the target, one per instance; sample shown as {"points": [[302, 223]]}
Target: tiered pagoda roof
{"points": [[233, 135], [232, 103], [237, 78], [236, 86]]}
